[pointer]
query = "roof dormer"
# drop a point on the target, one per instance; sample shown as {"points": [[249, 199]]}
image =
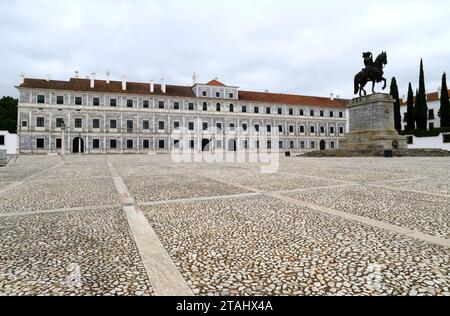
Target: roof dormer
{"points": [[215, 90]]}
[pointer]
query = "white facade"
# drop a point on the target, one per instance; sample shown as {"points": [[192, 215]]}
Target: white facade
{"points": [[439, 142], [9, 142]]}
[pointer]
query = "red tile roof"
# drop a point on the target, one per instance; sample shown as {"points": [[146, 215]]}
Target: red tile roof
{"points": [[215, 83], [434, 96], [115, 87]]}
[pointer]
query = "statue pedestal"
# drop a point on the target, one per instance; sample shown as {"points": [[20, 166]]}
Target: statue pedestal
{"points": [[372, 125]]}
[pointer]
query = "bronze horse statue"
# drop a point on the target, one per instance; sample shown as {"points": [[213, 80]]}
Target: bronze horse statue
{"points": [[373, 72]]}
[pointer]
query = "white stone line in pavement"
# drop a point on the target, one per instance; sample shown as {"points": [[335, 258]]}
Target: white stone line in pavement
{"points": [[318, 178], [400, 180], [368, 221], [200, 199], [70, 178], [360, 219], [408, 190], [337, 186], [164, 276], [61, 210], [29, 178]]}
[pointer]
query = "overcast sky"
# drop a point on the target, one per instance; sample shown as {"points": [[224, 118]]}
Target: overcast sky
{"points": [[290, 46]]}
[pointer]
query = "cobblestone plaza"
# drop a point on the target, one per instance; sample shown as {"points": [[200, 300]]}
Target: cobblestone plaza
{"points": [[144, 225]]}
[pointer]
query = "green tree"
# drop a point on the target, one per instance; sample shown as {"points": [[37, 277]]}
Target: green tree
{"points": [[445, 104], [411, 115], [421, 102], [397, 114], [8, 114]]}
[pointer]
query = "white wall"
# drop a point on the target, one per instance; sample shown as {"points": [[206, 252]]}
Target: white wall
{"points": [[429, 143], [10, 143]]}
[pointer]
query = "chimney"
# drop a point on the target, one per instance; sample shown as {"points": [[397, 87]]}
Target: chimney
{"points": [[194, 79], [21, 78], [331, 96], [108, 76], [163, 85], [93, 80], [48, 78], [77, 74], [152, 86], [124, 83], [439, 92]]}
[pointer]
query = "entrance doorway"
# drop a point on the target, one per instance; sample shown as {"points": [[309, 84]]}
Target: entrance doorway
{"points": [[78, 145], [232, 145], [206, 145], [322, 145]]}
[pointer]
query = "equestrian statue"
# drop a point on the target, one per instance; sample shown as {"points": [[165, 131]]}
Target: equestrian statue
{"points": [[373, 72]]}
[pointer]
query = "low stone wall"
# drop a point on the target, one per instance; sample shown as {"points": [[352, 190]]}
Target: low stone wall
{"points": [[378, 153], [3, 158]]}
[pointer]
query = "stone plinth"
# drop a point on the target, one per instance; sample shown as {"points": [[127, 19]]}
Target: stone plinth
{"points": [[372, 125], [3, 157]]}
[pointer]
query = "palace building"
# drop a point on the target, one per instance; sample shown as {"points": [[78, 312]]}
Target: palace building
{"points": [[104, 116]]}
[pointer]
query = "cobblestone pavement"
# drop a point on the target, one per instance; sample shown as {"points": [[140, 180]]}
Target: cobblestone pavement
{"points": [[227, 227]]}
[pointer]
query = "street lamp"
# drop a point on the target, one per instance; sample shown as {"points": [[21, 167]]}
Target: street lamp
{"points": [[63, 147]]}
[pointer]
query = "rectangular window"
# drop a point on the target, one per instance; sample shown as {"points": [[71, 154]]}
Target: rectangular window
{"points": [[176, 143], [245, 144], [332, 145], [341, 114], [280, 144], [78, 101], [269, 128], [244, 109], [161, 105], [269, 144], [280, 111], [321, 113], [217, 94], [176, 105], [331, 114], [280, 129], [267, 110], [96, 123], [96, 143], [231, 108], [431, 126], [96, 101], [313, 129], [244, 127], [204, 93], [205, 106], [59, 100], [231, 96], [302, 129], [205, 126], [311, 113], [146, 104], [256, 110], [322, 130], [291, 112], [130, 126], [218, 107], [40, 122], [313, 145], [113, 102], [291, 144], [162, 144], [40, 143], [410, 140], [58, 143], [113, 143], [146, 144], [191, 144], [41, 98], [302, 112], [191, 126], [78, 123], [291, 129], [113, 124], [59, 122], [24, 124], [191, 106], [130, 144], [129, 103], [341, 130], [232, 127], [257, 128], [431, 114], [2, 140], [332, 130], [146, 125], [302, 145], [219, 127], [161, 125]]}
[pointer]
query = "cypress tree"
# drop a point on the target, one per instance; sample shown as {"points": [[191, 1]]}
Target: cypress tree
{"points": [[445, 104], [421, 102], [411, 116], [397, 114]]}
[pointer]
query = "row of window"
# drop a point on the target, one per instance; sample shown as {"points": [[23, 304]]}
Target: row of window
{"points": [[191, 106], [218, 94], [130, 144], [40, 122]]}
